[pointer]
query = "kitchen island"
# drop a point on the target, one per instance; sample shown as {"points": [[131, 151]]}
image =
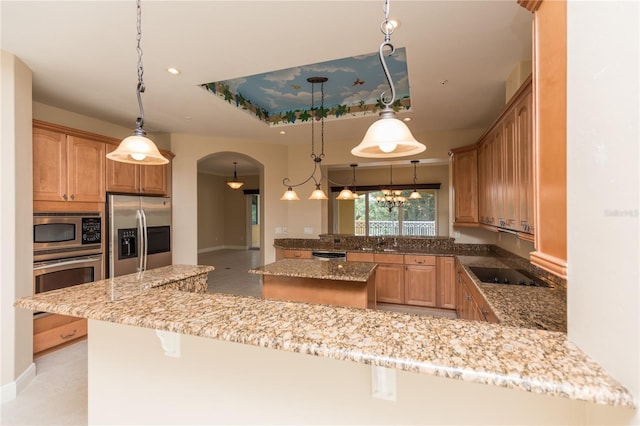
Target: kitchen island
{"points": [[331, 282], [218, 347]]}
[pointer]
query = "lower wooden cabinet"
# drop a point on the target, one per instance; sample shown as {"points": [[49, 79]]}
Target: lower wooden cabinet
{"points": [[420, 281], [297, 254], [390, 286], [53, 331], [446, 279], [471, 304]]}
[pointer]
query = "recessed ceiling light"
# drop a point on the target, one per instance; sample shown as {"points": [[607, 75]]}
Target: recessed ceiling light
{"points": [[444, 82], [406, 119], [282, 132], [172, 70]]}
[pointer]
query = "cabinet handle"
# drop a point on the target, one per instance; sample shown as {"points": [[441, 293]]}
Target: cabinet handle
{"points": [[297, 255], [468, 298], [64, 196], [73, 333], [73, 197], [420, 262]]}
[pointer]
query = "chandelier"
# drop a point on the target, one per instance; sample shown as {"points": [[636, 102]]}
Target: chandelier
{"points": [[318, 193], [415, 195], [137, 148], [234, 183], [387, 137], [391, 198]]}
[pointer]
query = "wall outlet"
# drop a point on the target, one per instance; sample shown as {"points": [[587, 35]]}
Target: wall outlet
{"points": [[308, 230], [383, 383], [278, 230], [284, 229]]}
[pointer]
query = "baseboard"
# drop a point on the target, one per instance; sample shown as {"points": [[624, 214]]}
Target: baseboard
{"points": [[11, 390], [210, 249]]}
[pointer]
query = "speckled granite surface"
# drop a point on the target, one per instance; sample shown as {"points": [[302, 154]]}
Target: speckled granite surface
{"points": [[324, 270], [521, 306], [530, 360]]}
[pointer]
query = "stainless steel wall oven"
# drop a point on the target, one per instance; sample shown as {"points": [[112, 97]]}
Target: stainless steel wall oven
{"points": [[67, 250]]}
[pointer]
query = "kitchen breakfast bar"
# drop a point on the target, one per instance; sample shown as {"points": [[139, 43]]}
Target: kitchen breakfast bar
{"points": [[161, 350]]}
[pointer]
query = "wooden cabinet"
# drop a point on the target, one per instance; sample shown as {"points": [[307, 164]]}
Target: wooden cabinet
{"points": [[54, 331], [446, 282], [550, 124], [297, 254], [137, 179], [390, 278], [470, 303], [67, 168], [524, 153], [420, 280], [465, 185]]}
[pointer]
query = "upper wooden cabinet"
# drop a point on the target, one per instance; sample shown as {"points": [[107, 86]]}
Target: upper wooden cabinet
{"points": [[503, 164], [465, 185], [67, 168], [136, 179]]}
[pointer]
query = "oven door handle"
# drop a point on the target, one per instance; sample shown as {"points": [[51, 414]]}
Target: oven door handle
{"points": [[145, 239], [141, 239], [46, 265]]}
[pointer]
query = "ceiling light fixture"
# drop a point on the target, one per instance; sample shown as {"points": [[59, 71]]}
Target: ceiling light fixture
{"points": [[234, 183], [415, 195], [173, 71], [391, 198], [137, 148], [318, 114], [388, 137]]}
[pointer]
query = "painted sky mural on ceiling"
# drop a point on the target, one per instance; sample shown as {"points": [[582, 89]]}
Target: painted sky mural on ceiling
{"points": [[284, 97]]}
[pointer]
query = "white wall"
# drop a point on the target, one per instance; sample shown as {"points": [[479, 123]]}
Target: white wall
{"points": [[217, 382], [603, 185], [16, 249]]}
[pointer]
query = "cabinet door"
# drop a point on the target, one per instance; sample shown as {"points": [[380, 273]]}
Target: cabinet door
{"points": [[465, 186], [359, 257], [122, 177], [509, 173], [154, 179], [49, 165], [390, 283], [86, 160], [526, 222], [495, 155], [446, 278], [420, 285]]}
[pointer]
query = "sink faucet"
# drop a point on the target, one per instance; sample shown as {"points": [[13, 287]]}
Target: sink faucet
{"points": [[381, 242]]}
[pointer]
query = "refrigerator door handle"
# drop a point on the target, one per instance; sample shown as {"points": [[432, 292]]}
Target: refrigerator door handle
{"points": [[141, 237], [145, 239]]}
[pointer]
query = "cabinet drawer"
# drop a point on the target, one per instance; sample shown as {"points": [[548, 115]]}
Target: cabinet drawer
{"points": [[297, 254], [359, 257], [64, 333], [389, 258], [419, 260]]}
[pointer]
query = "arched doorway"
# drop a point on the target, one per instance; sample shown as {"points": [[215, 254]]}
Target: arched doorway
{"points": [[229, 222]]}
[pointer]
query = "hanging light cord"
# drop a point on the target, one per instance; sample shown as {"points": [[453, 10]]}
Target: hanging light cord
{"points": [[140, 89], [387, 29]]}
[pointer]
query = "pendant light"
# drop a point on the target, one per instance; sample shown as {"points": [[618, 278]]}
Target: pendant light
{"points": [[318, 193], [415, 195], [346, 193], [388, 137], [234, 183], [137, 148]]}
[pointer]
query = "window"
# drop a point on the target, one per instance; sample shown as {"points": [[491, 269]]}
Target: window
{"points": [[417, 217]]}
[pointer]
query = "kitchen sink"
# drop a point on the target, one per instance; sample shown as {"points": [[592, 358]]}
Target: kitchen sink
{"points": [[506, 276]]}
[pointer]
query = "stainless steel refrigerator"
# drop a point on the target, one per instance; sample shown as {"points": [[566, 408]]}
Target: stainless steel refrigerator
{"points": [[139, 233]]}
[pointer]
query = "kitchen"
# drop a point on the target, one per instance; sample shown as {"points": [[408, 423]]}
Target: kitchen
{"points": [[584, 327]]}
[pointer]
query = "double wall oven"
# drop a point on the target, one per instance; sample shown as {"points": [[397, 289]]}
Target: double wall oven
{"points": [[67, 249]]}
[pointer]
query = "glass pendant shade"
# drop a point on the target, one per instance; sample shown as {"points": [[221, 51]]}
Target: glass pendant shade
{"points": [[386, 138], [345, 194], [415, 195], [235, 184], [290, 195], [137, 149], [318, 194]]}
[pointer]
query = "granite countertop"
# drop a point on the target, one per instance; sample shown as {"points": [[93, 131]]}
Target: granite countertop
{"points": [[323, 270], [521, 306], [530, 360]]}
